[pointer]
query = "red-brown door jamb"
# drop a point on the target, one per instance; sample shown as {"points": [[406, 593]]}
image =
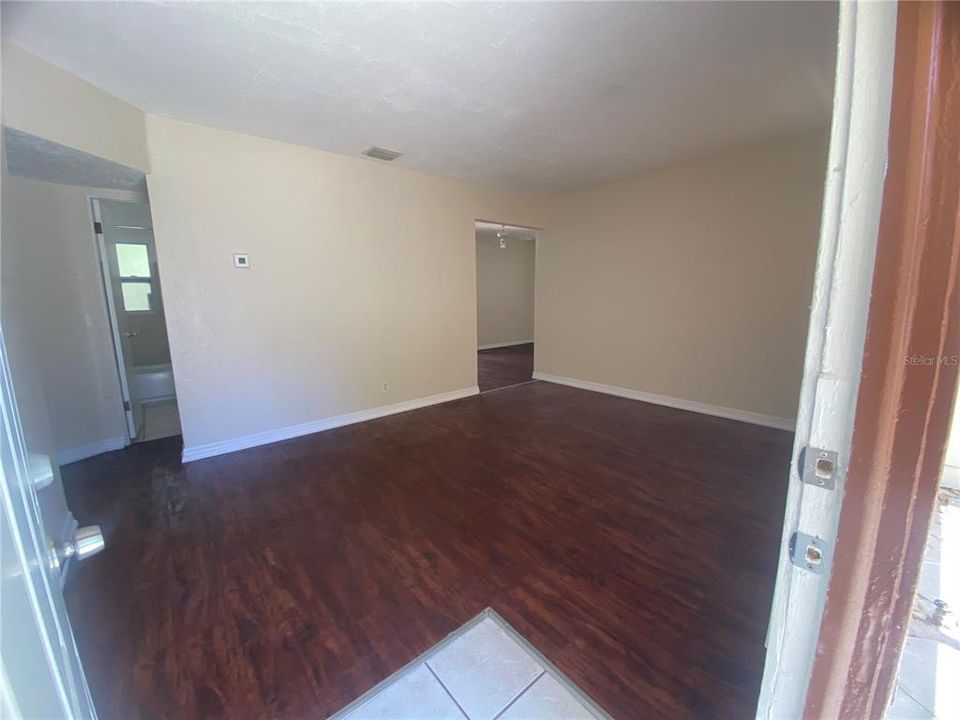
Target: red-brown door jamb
{"points": [[908, 381]]}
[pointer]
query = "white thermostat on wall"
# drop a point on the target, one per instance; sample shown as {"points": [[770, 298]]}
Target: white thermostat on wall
{"points": [[241, 260]]}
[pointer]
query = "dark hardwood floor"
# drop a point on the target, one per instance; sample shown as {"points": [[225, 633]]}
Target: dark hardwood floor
{"points": [[634, 545], [503, 367]]}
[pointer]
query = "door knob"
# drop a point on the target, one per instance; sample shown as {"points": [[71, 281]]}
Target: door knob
{"points": [[41, 470], [86, 541], [131, 334]]}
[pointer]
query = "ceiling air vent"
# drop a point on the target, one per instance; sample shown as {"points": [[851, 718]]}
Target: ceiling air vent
{"points": [[382, 153]]}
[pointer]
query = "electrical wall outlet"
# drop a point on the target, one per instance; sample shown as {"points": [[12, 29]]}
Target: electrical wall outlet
{"points": [[241, 260], [384, 387]]}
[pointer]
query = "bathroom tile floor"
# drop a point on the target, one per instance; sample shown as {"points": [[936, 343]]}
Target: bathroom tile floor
{"points": [[483, 671], [160, 420]]}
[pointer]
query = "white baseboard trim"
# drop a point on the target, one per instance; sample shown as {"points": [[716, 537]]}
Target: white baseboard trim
{"points": [[506, 344], [773, 421], [199, 452], [83, 452]]}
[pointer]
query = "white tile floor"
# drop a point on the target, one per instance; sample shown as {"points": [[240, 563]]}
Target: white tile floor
{"points": [[160, 420], [927, 688], [484, 671]]}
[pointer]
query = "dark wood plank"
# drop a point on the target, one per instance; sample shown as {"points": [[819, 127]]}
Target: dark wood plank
{"points": [[503, 367], [634, 545]]}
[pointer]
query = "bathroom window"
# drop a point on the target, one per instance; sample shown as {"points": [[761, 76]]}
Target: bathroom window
{"points": [[136, 279]]}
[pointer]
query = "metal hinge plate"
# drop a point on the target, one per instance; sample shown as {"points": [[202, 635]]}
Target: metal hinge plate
{"points": [[809, 552], [98, 228], [126, 405], [818, 467]]}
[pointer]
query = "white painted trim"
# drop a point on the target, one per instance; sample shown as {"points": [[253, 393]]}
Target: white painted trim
{"points": [[199, 452], [773, 421], [85, 451], [506, 344], [507, 387], [852, 202], [126, 397]]}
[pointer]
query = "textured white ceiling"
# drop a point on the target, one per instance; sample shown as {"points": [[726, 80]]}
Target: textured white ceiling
{"points": [[546, 96], [40, 159]]}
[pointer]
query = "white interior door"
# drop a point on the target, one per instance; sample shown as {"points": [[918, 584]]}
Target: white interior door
{"points": [[128, 262], [40, 671], [838, 318]]}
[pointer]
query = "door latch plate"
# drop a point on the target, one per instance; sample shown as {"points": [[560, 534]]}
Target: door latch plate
{"points": [[808, 552], [818, 467]]}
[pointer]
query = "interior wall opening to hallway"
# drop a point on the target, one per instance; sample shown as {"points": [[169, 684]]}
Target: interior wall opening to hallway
{"points": [[506, 282]]}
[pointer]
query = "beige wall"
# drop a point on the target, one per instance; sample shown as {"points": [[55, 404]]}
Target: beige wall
{"points": [[505, 290], [29, 393], [691, 281], [53, 302], [361, 273], [48, 102]]}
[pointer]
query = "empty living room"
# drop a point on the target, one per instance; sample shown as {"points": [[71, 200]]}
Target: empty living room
{"points": [[520, 361]]}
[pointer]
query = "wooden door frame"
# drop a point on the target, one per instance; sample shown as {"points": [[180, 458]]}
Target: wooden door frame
{"points": [[908, 380]]}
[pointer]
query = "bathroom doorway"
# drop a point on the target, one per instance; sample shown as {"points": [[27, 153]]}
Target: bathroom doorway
{"points": [[131, 277]]}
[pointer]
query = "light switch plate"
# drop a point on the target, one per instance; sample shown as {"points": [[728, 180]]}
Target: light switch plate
{"points": [[241, 260]]}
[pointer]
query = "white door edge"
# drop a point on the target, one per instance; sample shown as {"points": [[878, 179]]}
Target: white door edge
{"points": [[852, 203], [21, 512], [96, 220]]}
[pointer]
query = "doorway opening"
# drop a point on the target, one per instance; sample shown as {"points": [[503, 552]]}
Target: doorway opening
{"points": [[506, 278], [931, 655], [131, 279]]}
